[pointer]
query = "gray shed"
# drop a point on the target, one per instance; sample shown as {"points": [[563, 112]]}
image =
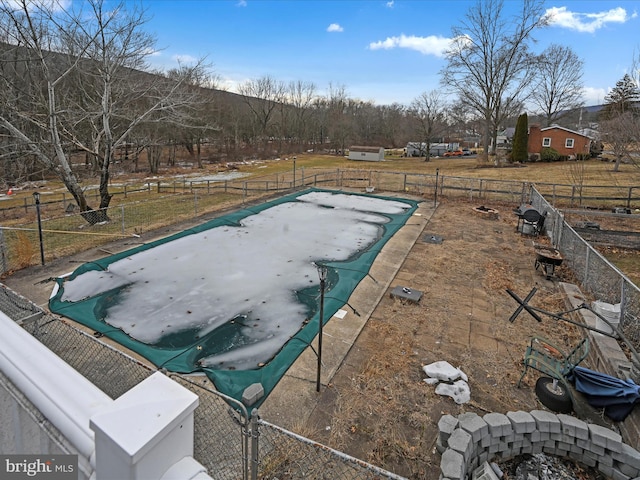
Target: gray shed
{"points": [[371, 154]]}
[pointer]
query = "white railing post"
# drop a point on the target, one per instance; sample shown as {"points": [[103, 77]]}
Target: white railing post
{"points": [[145, 431]]}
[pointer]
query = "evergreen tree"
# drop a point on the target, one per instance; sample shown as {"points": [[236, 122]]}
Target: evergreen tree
{"points": [[624, 97], [520, 151]]}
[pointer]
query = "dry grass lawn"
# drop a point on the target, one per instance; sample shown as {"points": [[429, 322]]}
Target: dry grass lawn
{"points": [[377, 407]]}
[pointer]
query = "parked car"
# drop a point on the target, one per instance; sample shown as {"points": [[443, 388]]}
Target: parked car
{"points": [[466, 151], [453, 153]]}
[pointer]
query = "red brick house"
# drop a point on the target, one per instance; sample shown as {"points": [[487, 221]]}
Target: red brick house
{"points": [[562, 140]]}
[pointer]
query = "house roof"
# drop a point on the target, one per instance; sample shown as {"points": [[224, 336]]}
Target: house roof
{"points": [[508, 132], [356, 148], [558, 127]]}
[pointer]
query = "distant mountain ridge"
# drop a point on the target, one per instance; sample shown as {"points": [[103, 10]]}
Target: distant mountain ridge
{"points": [[593, 108]]}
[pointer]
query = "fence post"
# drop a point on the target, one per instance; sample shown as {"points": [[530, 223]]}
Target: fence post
{"points": [[255, 457], [195, 201], [629, 198], [3, 256], [623, 302], [585, 276]]}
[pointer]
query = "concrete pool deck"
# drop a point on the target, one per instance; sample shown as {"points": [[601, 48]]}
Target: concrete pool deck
{"points": [[296, 391]]}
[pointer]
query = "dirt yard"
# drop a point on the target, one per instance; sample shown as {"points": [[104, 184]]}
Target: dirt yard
{"points": [[378, 407]]}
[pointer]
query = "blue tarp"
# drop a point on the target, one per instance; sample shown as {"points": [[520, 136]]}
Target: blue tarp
{"points": [[617, 397]]}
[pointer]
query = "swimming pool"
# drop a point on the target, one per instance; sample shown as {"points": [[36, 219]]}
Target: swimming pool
{"points": [[237, 297]]}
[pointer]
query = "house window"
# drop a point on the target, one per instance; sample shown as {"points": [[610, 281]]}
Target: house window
{"points": [[546, 142], [568, 143]]}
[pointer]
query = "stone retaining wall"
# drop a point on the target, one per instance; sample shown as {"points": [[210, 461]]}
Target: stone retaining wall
{"points": [[467, 441]]}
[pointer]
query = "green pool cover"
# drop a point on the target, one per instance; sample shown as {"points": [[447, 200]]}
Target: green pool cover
{"points": [[189, 349]]}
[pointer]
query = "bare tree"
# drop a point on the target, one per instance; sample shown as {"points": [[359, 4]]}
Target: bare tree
{"points": [[635, 67], [32, 37], [428, 114], [620, 119], [94, 94], [203, 118], [262, 96], [395, 131], [301, 95], [339, 124], [620, 133], [558, 86], [489, 62], [366, 122]]}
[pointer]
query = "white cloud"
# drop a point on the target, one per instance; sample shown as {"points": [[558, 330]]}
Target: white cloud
{"points": [[335, 27], [593, 96], [241, 3], [52, 5], [586, 22], [390, 3], [185, 59], [431, 45]]}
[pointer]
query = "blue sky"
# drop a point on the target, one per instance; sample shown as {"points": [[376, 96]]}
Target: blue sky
{"points": [[383, 51]]}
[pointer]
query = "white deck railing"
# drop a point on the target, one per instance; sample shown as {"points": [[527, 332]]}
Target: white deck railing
{"points": [[145, 433]]}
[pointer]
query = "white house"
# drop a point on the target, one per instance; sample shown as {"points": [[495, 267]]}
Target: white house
{"points": [[505, 138], [371, 154]]}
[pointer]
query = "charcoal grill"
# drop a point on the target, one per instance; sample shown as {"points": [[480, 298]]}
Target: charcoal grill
{"points": [[547, 259], [530, 220]]}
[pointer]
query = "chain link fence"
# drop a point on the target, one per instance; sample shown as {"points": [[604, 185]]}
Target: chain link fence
{"points": [[281, 454], [226, 441], [597, 276], [63, 231]]}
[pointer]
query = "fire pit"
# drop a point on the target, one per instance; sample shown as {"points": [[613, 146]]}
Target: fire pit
{"points": [[547, 258], [486, 212]]}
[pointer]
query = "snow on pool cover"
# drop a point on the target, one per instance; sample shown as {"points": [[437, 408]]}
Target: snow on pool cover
{"points": [[237, 297]]}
